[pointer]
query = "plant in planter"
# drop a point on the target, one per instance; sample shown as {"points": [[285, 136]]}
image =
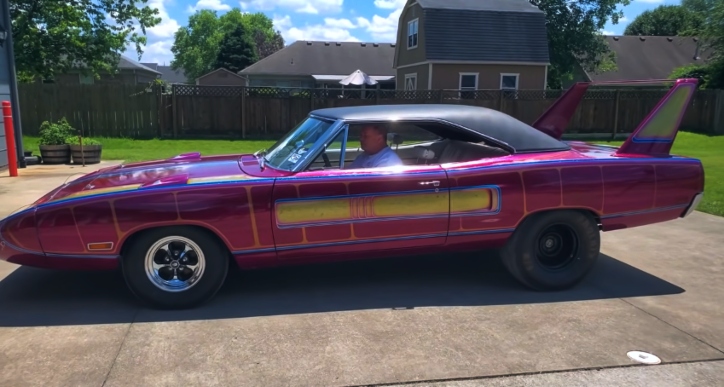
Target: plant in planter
{"points": [[88, 153], [53, 148]]}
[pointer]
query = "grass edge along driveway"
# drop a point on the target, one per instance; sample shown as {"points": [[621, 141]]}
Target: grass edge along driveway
{"points": [[709, 149]]}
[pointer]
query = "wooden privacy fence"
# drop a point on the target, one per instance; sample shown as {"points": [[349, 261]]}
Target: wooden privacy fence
{"points": [[98, 110], [190, 111]]}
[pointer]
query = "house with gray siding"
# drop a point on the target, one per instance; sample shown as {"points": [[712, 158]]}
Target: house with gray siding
{"points": [[471, 44], [322, 64]]}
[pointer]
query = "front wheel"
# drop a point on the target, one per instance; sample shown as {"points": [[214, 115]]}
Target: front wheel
{"points": [[553, 250], [175, 267]]}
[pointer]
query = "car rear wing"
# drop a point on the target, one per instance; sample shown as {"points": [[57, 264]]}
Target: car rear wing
{"points": [[656, 133], [653, 136]]}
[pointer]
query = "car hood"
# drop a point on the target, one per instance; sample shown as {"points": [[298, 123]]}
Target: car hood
{"points": [[173, 171]]}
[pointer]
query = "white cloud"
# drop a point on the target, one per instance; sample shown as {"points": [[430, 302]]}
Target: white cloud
{"points": [[333, 30], [383, 29], [159, 52], [380, 28], [390, 4], [216, 5], [160, 37], [650, 1], [299, 6], [339, 23], [604, 32], [167, 27], [623, 19]]}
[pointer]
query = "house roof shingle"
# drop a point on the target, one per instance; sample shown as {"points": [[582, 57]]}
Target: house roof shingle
{"points": [[327, 58], [129, 64], [650, 57], [492, 30], [479, 5], [167, 73]]}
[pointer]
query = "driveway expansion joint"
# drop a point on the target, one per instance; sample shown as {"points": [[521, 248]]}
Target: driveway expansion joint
{"points": [[120, 347], [532, 373], [673, 326]]}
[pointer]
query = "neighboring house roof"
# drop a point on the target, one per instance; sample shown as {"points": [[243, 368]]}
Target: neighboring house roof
{"points": [[331, 59], [650, 57], [167, 73], [478, 5], [220, 69], [126, 63], [491, 30]]}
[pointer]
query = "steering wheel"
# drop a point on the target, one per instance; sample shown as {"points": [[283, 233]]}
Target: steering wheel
{"points": [[327, 164]]}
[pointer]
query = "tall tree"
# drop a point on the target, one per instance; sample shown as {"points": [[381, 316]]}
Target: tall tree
{"points": [[574, 38], [236, 50], [52, 36], [664, 20], [196, 46], [267, 45], [711, 33]]}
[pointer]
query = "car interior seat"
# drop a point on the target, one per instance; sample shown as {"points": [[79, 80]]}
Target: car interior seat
{"points": [[453, 151], [394, 139]]}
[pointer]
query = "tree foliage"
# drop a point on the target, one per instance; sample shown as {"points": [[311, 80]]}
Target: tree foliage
{"points": [[51, 36], [196, 46], [711, 35], [574, 38], [664, 20], [236, 50]]}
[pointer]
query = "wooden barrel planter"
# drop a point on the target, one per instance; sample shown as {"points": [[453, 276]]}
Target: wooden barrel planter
{"points": [[55, 154], [91, 154]]}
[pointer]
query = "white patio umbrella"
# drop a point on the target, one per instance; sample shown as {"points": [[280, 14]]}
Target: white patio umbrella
{"points": [[358, 78]]}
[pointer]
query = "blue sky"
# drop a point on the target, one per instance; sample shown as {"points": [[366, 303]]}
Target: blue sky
{"points": [[332, 20]]}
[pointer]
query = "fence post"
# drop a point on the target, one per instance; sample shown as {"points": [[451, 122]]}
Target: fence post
{"points": [[243, 112], [718, 114], [173, 107], [159, 109], [615, 115]]}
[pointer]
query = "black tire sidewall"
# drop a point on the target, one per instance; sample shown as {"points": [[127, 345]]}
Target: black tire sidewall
{"points": [[533, 273], [215, 271]]}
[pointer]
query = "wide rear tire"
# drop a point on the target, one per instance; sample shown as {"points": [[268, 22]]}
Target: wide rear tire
{"points": [[175, 267], [553, 250]]}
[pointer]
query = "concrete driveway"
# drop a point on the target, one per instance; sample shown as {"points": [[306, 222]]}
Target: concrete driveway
{"points": [[441, 321]]}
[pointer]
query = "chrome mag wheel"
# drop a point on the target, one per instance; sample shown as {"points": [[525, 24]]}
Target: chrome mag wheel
{"points": [[175, 263]]}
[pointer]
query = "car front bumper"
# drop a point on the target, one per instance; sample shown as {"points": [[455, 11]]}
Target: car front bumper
{"points": [[692, 206]]}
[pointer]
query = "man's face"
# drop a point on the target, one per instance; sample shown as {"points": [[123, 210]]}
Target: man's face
{"points": [[371, 140]]}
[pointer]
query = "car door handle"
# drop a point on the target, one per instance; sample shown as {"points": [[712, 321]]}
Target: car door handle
{"points": [[435, 183]]}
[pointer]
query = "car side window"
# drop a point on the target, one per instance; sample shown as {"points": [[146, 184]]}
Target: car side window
{"points": [[330, 157]]}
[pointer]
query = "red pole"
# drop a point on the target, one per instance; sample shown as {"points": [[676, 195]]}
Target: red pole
{"points": [[10, 139]]}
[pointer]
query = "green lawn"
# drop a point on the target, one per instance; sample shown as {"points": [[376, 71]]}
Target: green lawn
{"points": [[141, 150], [710, 149]]}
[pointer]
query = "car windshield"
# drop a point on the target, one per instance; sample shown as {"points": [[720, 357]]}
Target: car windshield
{"points": [[291, 148]]}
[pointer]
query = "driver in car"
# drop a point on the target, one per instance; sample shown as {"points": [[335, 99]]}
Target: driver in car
{"points": [[373, 140]]}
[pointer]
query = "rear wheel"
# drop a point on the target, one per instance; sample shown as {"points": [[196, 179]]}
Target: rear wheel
{"points": [[553, 250], [175, 267]]}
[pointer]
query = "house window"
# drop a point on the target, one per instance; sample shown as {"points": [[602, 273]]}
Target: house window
{"points": [[509, 81], [411, 81], [412, 33], [468, 81], [468, 85]]}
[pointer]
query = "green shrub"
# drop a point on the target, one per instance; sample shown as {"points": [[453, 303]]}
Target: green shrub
{"points": [[73, 140], [55, 133]]}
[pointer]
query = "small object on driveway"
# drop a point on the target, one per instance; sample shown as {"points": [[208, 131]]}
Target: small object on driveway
{"points": [[465, 178], [643, 357]]}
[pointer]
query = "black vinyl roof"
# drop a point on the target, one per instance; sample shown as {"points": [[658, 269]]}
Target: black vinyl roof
{"points": [[474, 123]]}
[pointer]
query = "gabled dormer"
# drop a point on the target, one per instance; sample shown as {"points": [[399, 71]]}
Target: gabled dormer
{"points": [[443, 43]]}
